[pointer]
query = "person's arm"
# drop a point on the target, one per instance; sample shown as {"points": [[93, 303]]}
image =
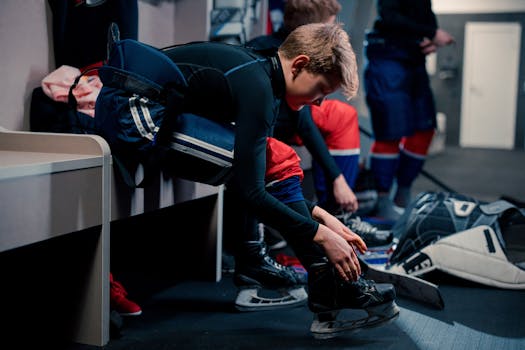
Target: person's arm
{"points": [[441, 38], [327, 219], [336, 239], [339, 252], [255, 116], [315, 143], [413, 19], [343, 194]]}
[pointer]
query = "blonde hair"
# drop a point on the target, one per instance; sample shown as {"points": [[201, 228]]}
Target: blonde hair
{"points": [[330, 52], [299, 12]]}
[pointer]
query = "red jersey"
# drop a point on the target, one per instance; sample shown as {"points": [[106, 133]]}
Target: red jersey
{"points": [[339, 125], [282, 162]]}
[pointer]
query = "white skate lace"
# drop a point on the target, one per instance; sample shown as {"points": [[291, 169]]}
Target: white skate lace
{"points": [[272, 261], [356, 224], [365, 285], [362, 227]]}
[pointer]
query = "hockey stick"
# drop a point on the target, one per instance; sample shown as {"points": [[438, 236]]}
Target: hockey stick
{"points": [[423, 171], [407, 286]]}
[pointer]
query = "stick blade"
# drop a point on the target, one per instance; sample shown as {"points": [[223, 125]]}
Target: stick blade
{"points": [[406, 286]]}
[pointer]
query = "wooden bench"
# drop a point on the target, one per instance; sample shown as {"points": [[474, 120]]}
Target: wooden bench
{"points": [[54, 185]]}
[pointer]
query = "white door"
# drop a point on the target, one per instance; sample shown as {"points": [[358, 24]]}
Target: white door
{"points": [[490, 85]]}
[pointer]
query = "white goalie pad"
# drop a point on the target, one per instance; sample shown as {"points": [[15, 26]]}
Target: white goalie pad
{"points": [[475, 254]]}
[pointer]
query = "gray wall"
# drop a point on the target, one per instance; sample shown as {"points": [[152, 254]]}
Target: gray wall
{"points": [[26, 57]]}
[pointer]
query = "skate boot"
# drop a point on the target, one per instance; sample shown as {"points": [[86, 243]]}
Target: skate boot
{"points": [[329, 295], [264, 284], [373, 236]]}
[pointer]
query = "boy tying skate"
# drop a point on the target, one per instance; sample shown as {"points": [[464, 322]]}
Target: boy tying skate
{"points": [[284, 176], [314, 61]]}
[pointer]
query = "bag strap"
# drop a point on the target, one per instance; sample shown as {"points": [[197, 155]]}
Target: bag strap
{"points": [[131, 82]]}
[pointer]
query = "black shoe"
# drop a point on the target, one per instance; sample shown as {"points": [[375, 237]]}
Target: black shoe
{"points": [[228, 264], [328, 292], [257, 268]]}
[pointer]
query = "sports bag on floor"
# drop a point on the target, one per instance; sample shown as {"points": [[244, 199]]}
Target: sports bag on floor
{"points": [[143, 91]]}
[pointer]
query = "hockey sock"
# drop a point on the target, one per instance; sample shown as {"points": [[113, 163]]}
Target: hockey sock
{"points": [[413, 155], [384, 160], [411, 160]]}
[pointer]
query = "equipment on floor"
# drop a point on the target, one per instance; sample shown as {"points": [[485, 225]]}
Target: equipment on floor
{"points": [[408, 286], [462, 236]]}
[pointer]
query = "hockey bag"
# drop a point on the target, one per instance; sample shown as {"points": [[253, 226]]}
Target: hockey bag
{"points": [[143, 92], [203, 147], [464, 237]]}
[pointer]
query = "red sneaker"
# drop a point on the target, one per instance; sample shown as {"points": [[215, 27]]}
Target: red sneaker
{"points": [[118, 300]]}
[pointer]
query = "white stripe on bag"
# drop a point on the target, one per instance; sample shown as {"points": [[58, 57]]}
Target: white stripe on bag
{"points": [[136, 118], [147, 115]]}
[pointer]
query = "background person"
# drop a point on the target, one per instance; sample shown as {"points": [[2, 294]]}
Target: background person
{"points": [[399, 96]]}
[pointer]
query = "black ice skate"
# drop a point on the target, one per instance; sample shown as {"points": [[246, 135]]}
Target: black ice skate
{"points": [[329, 295], [264, 284]]}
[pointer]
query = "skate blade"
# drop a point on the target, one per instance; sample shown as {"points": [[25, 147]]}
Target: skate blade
{"points": [[324, 328], [249, 299]]}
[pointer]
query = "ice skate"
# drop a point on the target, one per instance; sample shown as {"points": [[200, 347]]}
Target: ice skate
{"points": [[264, 284], [329, 295], [373, 236]]}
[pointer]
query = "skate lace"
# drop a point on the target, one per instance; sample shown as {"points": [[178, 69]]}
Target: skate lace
{"points": [[365, 286], [270, 260], [361, 227], [355, 224], [274, 263]]}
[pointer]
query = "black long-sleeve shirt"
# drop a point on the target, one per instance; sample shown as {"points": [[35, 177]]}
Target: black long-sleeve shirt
{"points": [[257, 85], [405, 19], [291, 122]]}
